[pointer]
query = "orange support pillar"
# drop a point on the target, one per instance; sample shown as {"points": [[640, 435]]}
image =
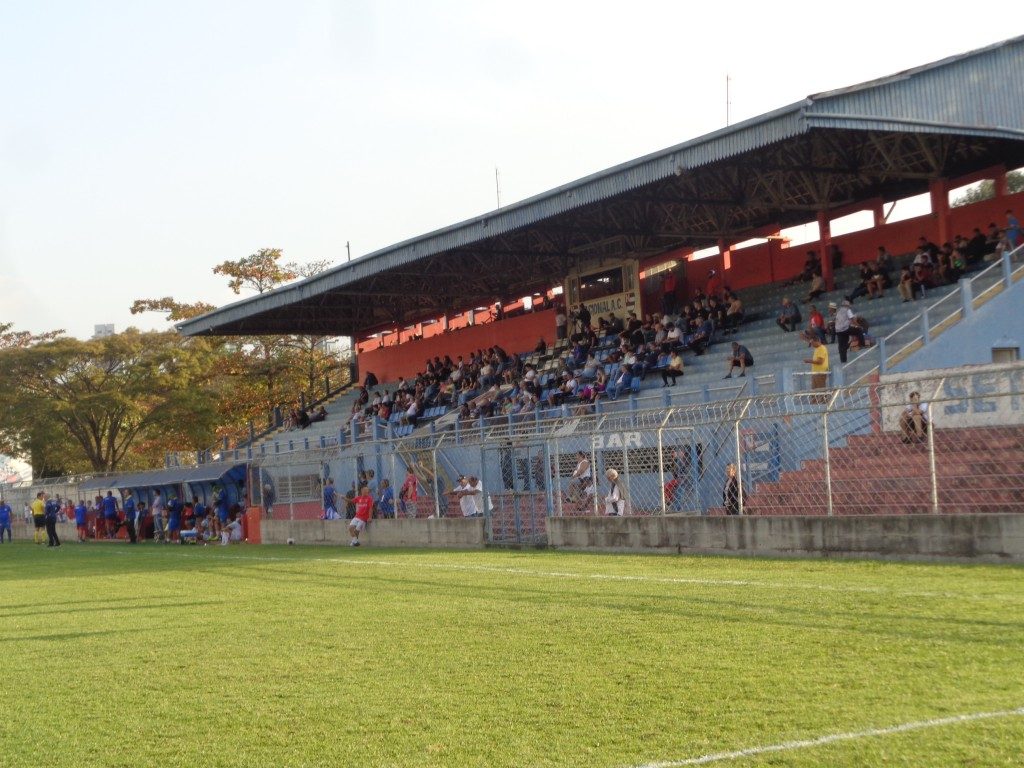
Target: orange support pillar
{"points": [[251, 525], [723, 248], [825, 235], [939, 192], [878, 209]]}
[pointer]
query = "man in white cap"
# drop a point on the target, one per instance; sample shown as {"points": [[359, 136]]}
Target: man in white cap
{"points": [[843, 317]]}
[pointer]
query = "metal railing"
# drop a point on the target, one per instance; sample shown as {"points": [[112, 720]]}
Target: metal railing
{"points": [[936, 318]]}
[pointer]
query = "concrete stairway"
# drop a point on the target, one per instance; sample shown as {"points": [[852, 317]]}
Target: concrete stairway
{"points": [[977, 471]]}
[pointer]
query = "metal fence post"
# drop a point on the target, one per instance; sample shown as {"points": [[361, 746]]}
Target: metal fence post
{"points": [[739, 456], [554, 477], [436, 488], [661, 467], [625, 479], [827, 454], [291, 502], [931, 449], [593, 474], [828, 463], [739, 465]]}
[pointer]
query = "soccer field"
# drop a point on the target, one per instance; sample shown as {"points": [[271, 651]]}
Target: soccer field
{"points": [[272, 656]]}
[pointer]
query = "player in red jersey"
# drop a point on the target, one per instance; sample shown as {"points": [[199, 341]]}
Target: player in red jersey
{"points": [[364, 509]]}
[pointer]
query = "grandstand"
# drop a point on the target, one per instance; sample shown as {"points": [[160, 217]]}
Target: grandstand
{"points": [[717, 204]]}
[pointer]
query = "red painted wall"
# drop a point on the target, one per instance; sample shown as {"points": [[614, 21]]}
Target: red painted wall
{"points": [[517, 334], [770, 262]]}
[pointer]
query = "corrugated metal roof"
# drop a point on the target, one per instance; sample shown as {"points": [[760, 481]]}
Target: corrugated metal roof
{"points": [[160, 477], [976, 93]]}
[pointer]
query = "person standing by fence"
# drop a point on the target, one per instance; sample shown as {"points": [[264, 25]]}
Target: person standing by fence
{"points": [[731, 492], [157, 508], [52, 508], [615, 501]]}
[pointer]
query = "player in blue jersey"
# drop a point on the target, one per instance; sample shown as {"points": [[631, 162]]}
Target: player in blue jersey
{"points": [[5, 521], [110, 514], [82, 520], [220, 503], [129, 519], [330, 501], [174, 510], [200, 513]]}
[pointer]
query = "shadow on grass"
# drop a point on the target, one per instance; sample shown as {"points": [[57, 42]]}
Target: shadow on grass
{"points": [[112, 606], [681, 607]]}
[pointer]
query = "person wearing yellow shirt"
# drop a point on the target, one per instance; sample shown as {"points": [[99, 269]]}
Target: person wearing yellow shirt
{"points": [[819, 363], [39, 519]]}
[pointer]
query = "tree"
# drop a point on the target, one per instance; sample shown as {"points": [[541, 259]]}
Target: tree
{"points": [[10, 338], [175, 311], [96, 401], [259, 373], [986, 190]]}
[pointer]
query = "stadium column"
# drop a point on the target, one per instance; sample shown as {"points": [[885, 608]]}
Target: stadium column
{"points": [[939, 192], [1002, 184], [723, 248], [825, 238], [878, 210]]}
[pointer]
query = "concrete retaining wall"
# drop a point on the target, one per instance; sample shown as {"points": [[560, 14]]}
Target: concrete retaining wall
{"points": [[919, 537], [23, 532], [445, 532]]}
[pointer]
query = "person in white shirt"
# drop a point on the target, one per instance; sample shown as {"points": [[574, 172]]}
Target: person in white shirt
{"points": [[561, 324], [843, 317], [469, 492], [914, 419], [614, 502]]}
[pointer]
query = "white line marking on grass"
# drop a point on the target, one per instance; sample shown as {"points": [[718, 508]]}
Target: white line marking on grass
{"points": [[707, 582], [833, 738]]}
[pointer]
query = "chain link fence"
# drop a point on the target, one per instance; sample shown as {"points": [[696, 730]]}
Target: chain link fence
{"points": [[956, 446]]}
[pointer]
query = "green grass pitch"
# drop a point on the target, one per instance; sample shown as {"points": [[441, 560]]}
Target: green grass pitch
{"points": [[286, 656]]}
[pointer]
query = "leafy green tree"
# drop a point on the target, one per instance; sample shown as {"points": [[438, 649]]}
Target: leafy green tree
{"points": [[74, 405]]}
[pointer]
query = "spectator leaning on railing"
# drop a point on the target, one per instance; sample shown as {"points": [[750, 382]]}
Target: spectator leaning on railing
{"points": [[819, 364]]}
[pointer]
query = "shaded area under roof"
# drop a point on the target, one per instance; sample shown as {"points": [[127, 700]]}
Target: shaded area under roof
{"points": [[156, 478], [885, 138]]}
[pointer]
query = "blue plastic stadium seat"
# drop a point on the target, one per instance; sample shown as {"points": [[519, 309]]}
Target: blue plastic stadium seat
{"points": [[634, 385]]}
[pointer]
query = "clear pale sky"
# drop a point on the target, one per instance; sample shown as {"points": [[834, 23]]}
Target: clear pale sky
{"points": [[143, 142]]}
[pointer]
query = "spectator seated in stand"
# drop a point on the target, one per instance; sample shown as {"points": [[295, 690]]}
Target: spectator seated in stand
{"points": [[923, 267], [812, 265], [739, 358], [909, 285], [867, 277], [789, 316], [622, 382], [914, 419], [859, 338], [673, 370], [976, 248], [733, 313], [817, 287], [319, 415], [563, 391], [815, 326], [700, 339]]}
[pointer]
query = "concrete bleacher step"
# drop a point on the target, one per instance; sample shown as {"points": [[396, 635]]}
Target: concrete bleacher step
{"points": [[977, 470]]}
